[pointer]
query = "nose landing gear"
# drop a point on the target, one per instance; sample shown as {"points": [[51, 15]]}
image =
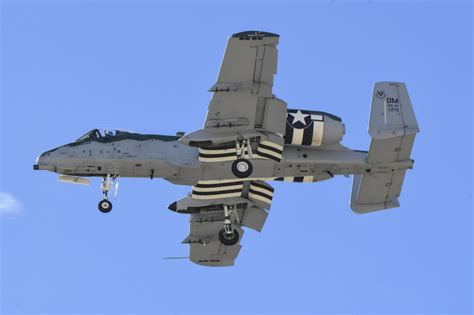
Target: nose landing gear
{"points": [[105, 205]]}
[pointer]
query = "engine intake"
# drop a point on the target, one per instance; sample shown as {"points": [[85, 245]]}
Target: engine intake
{"points": [[312, 128]]}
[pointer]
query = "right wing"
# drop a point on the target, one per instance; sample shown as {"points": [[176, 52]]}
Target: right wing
{"points": [[250, 199], [204, 245]]}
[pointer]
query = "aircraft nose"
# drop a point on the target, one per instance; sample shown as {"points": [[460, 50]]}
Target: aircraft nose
{"points": [[43, 157], [43, 162]]}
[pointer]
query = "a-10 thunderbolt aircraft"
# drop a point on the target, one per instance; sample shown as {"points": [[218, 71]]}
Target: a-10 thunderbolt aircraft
{"points": [[249, 137]]}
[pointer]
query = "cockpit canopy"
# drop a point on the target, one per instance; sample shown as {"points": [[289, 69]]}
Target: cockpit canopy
{"points": [[102, 134], [111, 135]]}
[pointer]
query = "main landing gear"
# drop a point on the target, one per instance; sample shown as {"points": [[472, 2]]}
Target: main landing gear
{"points": [[107, 182], [229, 235], [242, 167]]}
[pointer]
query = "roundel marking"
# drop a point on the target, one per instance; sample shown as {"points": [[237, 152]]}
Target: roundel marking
{"points": [[298, 120]]}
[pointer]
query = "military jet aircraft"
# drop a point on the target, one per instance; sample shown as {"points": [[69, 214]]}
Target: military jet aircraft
{"points": [[249, 137]]}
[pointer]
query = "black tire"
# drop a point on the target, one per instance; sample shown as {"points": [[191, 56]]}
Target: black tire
{"points": [[242, 168], [229, 239], [105, 206]]}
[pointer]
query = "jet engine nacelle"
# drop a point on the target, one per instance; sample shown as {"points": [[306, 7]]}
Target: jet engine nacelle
{"points": [[312, 128], [189, 205], [249, 212]]}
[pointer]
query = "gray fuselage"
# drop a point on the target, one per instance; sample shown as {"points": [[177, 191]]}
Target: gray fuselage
{"points": [[165, 157]]}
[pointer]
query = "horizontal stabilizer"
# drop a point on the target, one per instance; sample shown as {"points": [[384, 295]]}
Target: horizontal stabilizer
{"points": [[376, 192]]}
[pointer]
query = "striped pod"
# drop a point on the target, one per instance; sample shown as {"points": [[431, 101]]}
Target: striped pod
{"points": [[270, 150], [262, 192], [296, 179], [265, 150], [217, 189], [218, 154]]}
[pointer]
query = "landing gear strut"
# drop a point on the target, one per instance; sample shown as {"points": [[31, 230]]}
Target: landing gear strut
{"points": [[228, 239], [105, 205], [229, 235], [242, 167]]}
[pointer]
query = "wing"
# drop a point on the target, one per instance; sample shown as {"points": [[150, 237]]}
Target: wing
{"points": [[242, 103], [204, 245], [248, 201], [245, 78], [250, 62]]}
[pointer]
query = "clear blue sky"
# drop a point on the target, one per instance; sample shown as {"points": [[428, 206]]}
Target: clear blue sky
{"points": [[146, 66]]}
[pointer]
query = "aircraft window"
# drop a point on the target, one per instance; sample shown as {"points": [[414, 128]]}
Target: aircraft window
{"points": [[93, 134], [105, 133], [101, 133]]}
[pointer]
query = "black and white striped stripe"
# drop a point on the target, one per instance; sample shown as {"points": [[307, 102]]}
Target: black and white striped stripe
{"points": [[218, 153], [217, 189], [296, 179], [265, 150], [270, 150], [258, 191], [261, 191]]}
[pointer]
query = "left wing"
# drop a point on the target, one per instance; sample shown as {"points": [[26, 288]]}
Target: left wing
{"points": [[246, 75], [248, 201], [242, 103]]}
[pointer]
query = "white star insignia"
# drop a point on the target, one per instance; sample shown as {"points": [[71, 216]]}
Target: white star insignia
{"points": [[299, 116]]}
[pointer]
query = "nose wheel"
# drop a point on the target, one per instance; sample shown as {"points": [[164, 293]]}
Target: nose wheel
{"points": [[108, 182], [105, 206]]}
